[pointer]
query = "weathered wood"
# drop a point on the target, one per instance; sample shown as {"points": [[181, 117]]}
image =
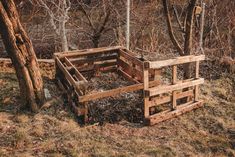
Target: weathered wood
{"points": [[157, 118], [146, 87], [91, 60], [133, 69], [176, 61], [131, 58], [77, 73], [69, 77], [196, 90], [115, 92], [108, 93], [169, 88], [85, 52], [130, 70], [156, 101], [127, 76], [174, 81]]}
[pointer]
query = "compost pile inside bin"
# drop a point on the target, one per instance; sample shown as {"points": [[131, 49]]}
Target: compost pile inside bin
{"points": [[126, 106]]}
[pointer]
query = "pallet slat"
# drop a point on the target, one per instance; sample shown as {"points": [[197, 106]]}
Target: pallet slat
{"points": [[170, 88], [157, 118], [79, 53], [176, 61]]}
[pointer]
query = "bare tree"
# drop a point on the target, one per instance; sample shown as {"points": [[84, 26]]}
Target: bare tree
{"points": [[21, 52], [58, 11], [187, 50], [99, 18]]}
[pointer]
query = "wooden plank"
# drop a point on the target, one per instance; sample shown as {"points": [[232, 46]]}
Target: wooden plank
{"points": [[169, 88], [77, 73], [127, 76], [115, 92], [174, 74], [91, 60], [96, 66], [174, 81], [79, 53], [68, 76], [108, 93], [197, 69], [156, 101], [65, 72], [146, 87], [157, 118], [176, 61], [196, 90], [131, 58], [130, 70]]}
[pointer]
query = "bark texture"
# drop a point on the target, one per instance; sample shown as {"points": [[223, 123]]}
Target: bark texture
{"points": [[20, 49]]}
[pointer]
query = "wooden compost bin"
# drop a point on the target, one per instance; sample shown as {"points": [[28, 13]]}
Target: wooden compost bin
{"points": [[71, 68]]}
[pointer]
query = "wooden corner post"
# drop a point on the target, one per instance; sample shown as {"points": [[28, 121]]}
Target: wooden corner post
{"points": [[146, 88]]}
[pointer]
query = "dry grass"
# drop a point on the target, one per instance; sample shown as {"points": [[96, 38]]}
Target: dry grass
{"points": [[208, 131]]}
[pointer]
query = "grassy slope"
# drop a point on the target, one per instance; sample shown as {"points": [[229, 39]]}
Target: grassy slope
{"points": [[207, 131]]}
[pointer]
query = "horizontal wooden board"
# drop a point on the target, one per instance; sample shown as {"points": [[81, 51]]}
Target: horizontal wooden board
{"points": [[157, 118], [115, 92], [131, 58], [155, 101], [79, 53], [175, 61], [91, 59], [127, 76], [169, 88], [129, 69]]}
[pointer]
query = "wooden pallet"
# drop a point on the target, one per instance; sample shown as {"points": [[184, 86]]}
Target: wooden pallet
{"points": [[181, 95], [145, 75]]}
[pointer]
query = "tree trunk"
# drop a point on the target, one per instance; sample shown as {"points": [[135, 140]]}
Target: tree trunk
{"points": [[63, 35], [20, 49], [188, 36], [170, 30]]}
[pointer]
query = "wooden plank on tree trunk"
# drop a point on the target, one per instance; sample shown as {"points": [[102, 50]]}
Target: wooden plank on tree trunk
{"points": [[176, 61], [169, 88], [154, 119]]}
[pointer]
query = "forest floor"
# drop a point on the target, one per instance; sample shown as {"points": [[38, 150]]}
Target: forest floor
{"points": [[207, 131]]}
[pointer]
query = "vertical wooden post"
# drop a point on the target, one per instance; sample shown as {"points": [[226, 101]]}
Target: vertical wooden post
{"points": [[146, 87], [196, 76], [174, 81], [157, 74]]}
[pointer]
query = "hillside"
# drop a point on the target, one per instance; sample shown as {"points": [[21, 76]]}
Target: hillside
{"points": [[207, 131]]}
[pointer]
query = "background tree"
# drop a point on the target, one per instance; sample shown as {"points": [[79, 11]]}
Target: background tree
{"points": [[21, 52], [58, 11], [188, 33]]}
